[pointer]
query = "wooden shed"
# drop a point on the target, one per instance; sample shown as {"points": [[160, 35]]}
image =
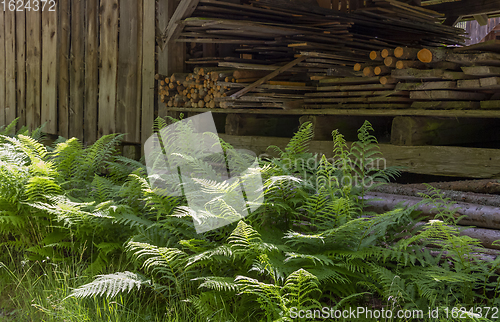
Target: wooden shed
{"points": [[88, 68]]}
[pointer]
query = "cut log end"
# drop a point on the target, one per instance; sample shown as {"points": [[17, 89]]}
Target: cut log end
{"points": [[425, 55]]}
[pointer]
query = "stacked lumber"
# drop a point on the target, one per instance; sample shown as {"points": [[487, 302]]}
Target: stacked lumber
{"points": [[275, 31], [444, 78], [370, 86], [297, 43]]}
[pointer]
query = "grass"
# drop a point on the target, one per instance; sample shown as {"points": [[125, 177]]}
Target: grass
{"points": [[38, 291]]}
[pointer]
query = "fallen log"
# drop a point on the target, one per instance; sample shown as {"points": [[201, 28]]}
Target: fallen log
{"points": [[478, 186], [475, 215], [458, 196]]}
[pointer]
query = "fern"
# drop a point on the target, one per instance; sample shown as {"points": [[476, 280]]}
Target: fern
{"points": [[111, 285]]}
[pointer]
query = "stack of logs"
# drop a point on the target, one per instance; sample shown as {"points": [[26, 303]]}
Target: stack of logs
{"points": [[403, 77], [197, 89], [476, 202], [212, 87]]}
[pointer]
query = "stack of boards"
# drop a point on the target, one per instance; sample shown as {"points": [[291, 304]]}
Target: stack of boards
{"points": [[385, 55], [420, 78]]}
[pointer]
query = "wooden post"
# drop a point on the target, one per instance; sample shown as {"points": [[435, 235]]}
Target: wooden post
{"points": [[10, 67], [171, 58]]}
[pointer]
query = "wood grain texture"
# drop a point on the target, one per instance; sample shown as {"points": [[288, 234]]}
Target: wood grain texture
{"points": [[128, 70], [33, 68], [10, 67], [77, 69], [108, 69], [148, 70], [434, 160], [49, 71], [91, 70], [364, 112], [184, 10], [63, 32], [2, 69]]}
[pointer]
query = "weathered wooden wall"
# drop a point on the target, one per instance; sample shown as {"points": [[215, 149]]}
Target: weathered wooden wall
{"points": [[85, 70]]}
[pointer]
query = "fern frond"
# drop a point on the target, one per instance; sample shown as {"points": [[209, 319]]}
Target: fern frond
{"points": [[111, 285]]}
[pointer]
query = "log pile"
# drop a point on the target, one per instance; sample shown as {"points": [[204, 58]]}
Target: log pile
{"points": [[429, 78], [481, 211], [197, 89], [213, 87]]}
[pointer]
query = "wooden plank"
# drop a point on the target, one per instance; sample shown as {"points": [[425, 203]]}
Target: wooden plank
{"points": [[49, 71], [77, 69], [148, 70], [2, 68], [426, 86], [268, 77], [33, 68], [140, 62], [63, 32], [492, 59], [363, 87], [354, 112], [490, 83], [490, 105], [357, 93], [350, 80], [491, 45], [446, 105], [358, 99], [184, 10], [466, 7], [10, 67], [427, 74], [433, 160], [91, 71], [127, 74], [447, 95], [108, 70], [482, 71]]}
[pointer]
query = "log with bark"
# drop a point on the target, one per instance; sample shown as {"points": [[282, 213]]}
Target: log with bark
{"points": [[475, 215], [479, 186], [458, 196]]}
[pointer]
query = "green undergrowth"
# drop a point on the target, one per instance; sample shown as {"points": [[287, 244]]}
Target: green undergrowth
{"points": [[84, 236]]}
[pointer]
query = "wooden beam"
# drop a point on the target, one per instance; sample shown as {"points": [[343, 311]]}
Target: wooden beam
{"points": [[432, 160], [268, 77], [173, 30], [364, 112], [481, 19], [466, 7]]}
